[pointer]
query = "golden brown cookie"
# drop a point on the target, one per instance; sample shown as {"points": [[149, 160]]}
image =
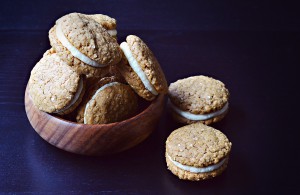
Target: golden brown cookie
{"points": [[142, 70], [89, 94], [84, 44], [197, 152], [54, 86], [112, 102], [198, 99], [110, 24]]}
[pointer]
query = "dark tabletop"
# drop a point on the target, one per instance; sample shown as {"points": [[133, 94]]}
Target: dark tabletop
{"points": [[253, 47]]}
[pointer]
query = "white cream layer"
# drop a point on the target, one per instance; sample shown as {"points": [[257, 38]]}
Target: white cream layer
{"points": [[112, 32], [94, 96], [74, 51], [137, 68], [197, 169], [198, 117], [75, 98]]}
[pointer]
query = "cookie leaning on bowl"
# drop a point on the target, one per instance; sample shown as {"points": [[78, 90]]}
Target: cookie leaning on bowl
{"points": [[84, 44], [54, 86], [197, 152], [111, 103], [141, 69], [198, 99], [90, 91]]}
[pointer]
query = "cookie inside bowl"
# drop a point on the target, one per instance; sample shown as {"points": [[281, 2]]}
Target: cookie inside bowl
{"points": [[98, 139]]}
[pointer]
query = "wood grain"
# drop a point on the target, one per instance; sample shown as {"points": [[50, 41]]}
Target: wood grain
{"points": [[94, 139]]}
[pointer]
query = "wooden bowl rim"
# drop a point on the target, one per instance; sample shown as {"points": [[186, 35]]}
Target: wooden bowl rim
{"points": [[158, 99]]}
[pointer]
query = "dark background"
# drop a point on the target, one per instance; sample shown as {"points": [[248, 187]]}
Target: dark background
{"points": [[253, 47]]}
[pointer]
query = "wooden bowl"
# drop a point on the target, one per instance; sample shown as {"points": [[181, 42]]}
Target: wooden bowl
{"points": [[94, 139]]}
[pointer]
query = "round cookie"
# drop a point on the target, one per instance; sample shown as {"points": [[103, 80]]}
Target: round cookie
{"points": [[198, 99], [112, 102], [91, 90], [141, 69], [84, 44], [54, 86], [197, 152]]}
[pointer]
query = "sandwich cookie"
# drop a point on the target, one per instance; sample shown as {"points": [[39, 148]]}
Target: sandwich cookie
{"points": [[197, 152], [198, 99], [84, 44], [90, 91], [111, 103], [54, 86], [110, 24], [142, 71]]}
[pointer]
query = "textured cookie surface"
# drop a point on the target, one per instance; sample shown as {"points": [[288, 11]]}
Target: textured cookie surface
{"points": [[87, 36], [89, 94], [90, 38], [105, 21], [198, 94], [197, 145], [133, 80], [114, 103], [53, 84], [79, 66], [149, 65]]}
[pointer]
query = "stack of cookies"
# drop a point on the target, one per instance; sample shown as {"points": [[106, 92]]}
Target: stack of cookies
{"points": [[87, 77], [197, 151]]}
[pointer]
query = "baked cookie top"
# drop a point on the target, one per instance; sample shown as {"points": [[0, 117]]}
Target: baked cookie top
{"points": [[79, 66], [149, 79], [113, 102], [87, 40], [197, 145], [91, 90], [198, 94], [53, 85]]}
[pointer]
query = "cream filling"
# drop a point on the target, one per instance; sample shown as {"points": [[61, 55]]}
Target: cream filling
{"points": [[112, 32], [197, 169], [137, 68], [75, 98], [94, 96], [74, 51], [198, 117]]}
